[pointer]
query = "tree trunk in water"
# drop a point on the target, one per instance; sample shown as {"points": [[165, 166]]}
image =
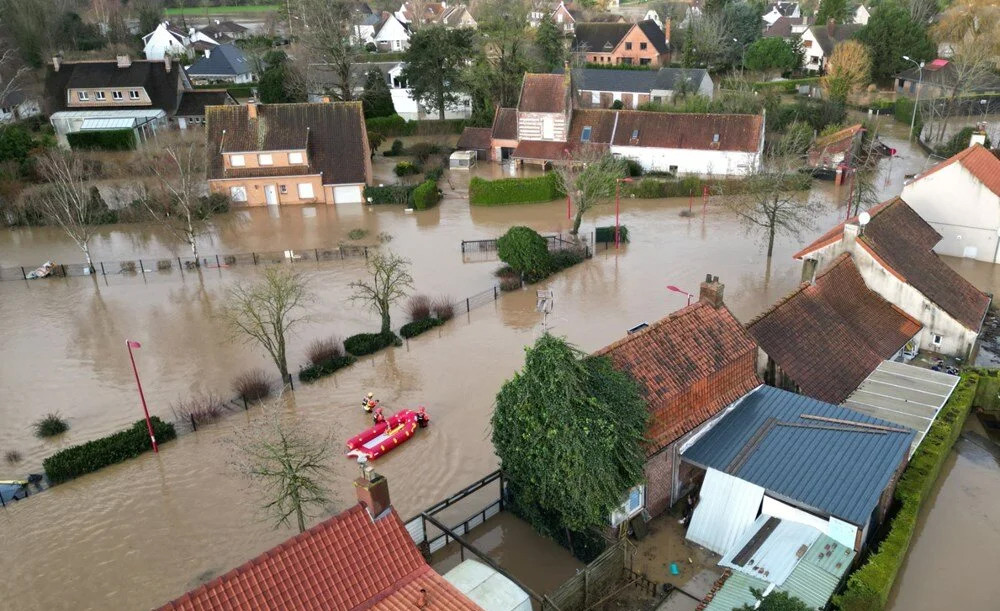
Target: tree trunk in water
{"points": [[770, 243], [576, 222], [386, 323]]}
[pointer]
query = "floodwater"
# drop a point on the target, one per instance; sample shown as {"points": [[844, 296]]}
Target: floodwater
{"points": [[140, 533]]}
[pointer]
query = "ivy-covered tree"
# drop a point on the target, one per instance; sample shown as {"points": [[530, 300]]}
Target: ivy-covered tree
{"points": [[524, 250], [377, 99], [549, 42], [890, 34], [569, 431], [772, 54]]}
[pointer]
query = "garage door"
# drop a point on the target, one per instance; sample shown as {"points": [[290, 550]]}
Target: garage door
{"points": [[347, 195]]}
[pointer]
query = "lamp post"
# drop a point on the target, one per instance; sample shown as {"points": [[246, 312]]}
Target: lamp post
{"points": [[983, 105], [149, 425], [916, 100], [743, 56], [618, 189], [569, 214], [675, 289]]}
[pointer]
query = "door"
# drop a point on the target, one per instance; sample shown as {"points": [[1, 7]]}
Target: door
{"points": [[271, 195], [548, 128], [347, 195]]}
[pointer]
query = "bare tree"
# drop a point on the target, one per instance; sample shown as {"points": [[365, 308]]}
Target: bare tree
{"points": [[388, 284], [11, 74], [330, 38], [286, 463], [588, 178], [266, 311]]}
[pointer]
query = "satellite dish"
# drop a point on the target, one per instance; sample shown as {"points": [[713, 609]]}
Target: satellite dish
{"points": [[864, 218]]}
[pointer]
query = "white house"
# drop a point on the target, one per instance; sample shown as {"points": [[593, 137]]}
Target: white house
{"points": [[16, 105], [862, 15], [781, 9], [167, 39], [653, 16], [960, 199], [819, 40], [891, 247], [391, 34]]}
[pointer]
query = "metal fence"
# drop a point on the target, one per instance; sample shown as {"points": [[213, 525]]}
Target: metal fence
{"points": [[475, 251], [600, 581], [165, 265]]}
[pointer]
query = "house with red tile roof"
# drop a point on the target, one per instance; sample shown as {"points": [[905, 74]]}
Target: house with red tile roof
{"points": [[361, 558], [891, 246], [828, 335], [834, 149], [960, 199], [690, 366]]}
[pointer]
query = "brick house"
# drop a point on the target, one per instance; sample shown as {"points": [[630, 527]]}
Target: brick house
{"points": [[639, 44], [689, 366], [271, 154]]}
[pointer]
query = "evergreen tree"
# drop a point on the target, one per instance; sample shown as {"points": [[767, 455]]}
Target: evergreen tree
{"points": [[832, 9], [434, 65], [550, 45], [890, 34], [377, 99]]}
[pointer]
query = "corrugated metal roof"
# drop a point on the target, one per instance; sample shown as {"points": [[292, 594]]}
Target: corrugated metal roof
{"points": [[735, 593], [819, 572], [727, 507], [770, 555], [830, 467]]}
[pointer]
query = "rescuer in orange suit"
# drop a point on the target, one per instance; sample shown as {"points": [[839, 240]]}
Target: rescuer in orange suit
{"points": [[369, 403], [377, 417]]}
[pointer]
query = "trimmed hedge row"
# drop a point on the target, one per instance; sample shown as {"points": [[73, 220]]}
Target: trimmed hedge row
{"points": [[94, 455], [394, 126], [513, 190], [105, 140], [368, 343], [869, 586], [426, 195], [607, 234], [653, 188], [315, 372], [788, 85], [390, 194], [415, 328]]}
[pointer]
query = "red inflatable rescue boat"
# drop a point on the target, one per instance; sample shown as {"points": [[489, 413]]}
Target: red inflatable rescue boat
{"points": [[384, 436]]}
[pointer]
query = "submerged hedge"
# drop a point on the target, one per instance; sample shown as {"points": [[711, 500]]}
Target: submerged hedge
{"points": [[426, 195], [390, 194], [869, 586], [394, 126], [513, 190], [415, 328], [315, 372], [367, 343], [89, 457]]}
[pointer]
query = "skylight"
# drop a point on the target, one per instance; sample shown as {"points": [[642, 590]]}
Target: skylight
{"points": [[585, 136]]}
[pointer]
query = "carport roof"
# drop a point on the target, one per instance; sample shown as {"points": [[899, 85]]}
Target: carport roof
{"points": [[903, 394]]}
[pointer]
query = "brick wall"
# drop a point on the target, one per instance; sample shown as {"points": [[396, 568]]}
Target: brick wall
{"points": [[636, 55], [659, 472]]}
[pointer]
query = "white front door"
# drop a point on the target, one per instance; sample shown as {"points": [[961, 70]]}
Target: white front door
{"points": [[271, 195], [548, 128]]}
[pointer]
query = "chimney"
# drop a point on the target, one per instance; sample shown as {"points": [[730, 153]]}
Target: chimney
{"points": [[124, 61], [831, 26], [711, 291], [56, 62], [167, 63], [252, 108], [208, 53], [373, 492]]}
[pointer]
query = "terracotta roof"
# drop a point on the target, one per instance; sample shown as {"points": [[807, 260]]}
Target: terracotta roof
{"points": [[475, 138], [830, 334], [540, 150], [347, 562], [690, 365], [835, 234], [833, 144], [980, 162], [689, 131], [505, 124], [332, 134], [543, 93]]}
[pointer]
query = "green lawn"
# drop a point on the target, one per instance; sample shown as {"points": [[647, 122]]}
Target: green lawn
{"points": [[222, 10]]}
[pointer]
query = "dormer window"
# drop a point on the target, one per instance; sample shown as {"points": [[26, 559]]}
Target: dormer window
{"points": [[265, 159], [82, 96], [117, 96], [585, 135], [133, 94], [295, 159], [99, 95]]}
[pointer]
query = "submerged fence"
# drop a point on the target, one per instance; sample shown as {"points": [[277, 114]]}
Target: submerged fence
{"points": [[474, 251]]}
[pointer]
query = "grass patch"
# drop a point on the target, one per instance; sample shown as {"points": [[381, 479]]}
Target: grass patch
{"points": [[50, 426], [369, 343], [94, 455], [357, 234], [417, 327]]}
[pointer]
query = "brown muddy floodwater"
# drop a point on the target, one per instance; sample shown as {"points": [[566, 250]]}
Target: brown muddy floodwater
{"points": [[138, 534]]}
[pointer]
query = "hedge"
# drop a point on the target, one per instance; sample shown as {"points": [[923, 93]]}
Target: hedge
{"points": [[653, 188], [89, 457], [315, 372], [870, 585], [426, 195], [513, 190], [787, 85], [394, 126], [367, 343], [390, 194], [107, 140], [415, 328]]}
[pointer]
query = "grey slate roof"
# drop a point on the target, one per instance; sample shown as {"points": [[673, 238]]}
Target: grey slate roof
{"points": [[162, 86], [223, 60], [193, 103], [637, 81], [599, 37], [832, 468], [655, 35], [828, 41]]}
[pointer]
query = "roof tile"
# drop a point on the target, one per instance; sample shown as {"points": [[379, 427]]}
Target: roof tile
{"points": [[980, 162], [543, 93]]}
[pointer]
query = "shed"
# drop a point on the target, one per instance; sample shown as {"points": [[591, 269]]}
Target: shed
{"points": [[462, 160], [488, 588]]}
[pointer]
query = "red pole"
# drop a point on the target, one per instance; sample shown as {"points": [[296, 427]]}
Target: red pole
{"points": [[145, 410], [568, 214], [618, 188], [704, 199]]}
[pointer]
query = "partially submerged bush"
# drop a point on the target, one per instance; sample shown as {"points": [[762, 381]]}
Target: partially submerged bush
{"points": [[524, 250], [252, 385], [12, 457], [318, 370], [99, 453], [406, 168], [417, 327], [367, 343], [418, 308], [510, 283], [357, 233], [443, 308], [321, 351], [50, 426], [566, 258], [201, 408]]}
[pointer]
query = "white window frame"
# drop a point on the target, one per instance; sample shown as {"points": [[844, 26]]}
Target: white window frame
{"points": [[99, 96], [117, 96], [595, 97], [295, 159], [238, 194], [626, 511], [265, 159], [133, 94], [82, 96], [237, 161], [937, 340], [305, 190]]}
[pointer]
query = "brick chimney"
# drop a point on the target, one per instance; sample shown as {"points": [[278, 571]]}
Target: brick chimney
{"points": [[252, 108], [831, 26], [373, 492], [711, 291], [124, 61]]}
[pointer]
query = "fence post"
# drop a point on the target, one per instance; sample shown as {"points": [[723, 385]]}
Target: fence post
{"points": [[501, 491], [366, 253], [217, 263], [63, 270], [316, 254], [142, 268], [103, 273], [245, 406], [24, 274], [194, 426], [254, 255], [468, 308], [495, 293]]}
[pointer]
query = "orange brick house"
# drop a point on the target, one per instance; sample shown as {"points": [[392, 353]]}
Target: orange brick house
{"points": [[690, 366], [640, 44], [277, 154]]}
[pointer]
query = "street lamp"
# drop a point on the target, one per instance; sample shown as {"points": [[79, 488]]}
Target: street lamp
{"points": [[675, 289], [569, 214], [743, 55], [618, 188], [916, 101], [149, 425]]}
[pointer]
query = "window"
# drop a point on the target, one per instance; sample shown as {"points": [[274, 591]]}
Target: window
{"points": [[82, 96], [632, 506], [715, 138], [238, 194], [673, 170], [133, 94], [294, 158], [643, 46], [283, 189], [99, 96], [937, 340], [117, 96], [627, 61], [306, 190], [628, 46], [265, 159], [635, 134], [585, 136], [595, 97], [644, 61], [237, 161]]}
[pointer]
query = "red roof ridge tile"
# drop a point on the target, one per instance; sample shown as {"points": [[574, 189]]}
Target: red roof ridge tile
{"points": [[973, 159]]}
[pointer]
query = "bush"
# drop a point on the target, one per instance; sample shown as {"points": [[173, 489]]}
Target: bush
{"points": [[569, 257], [395, 126], [443, 308], [50, 426], [870, 585], [422, 151], [509, 283], [607, 234], [524, 250], [389, 194], [513, 190], [634, 167], [959, 142], [406, 168], [391, 126], [357, 233], [434, 174], [104, 140], [316, 371], [89, 457], [426, 195], [12, 457], [415, 328], [647, 188], [418, 308], [787, 85], [202, 408], [252, 385], [367, 343], [322, 350]]}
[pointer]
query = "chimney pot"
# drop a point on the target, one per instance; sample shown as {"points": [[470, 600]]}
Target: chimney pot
{"points": [[373, 495], [711, 291]]}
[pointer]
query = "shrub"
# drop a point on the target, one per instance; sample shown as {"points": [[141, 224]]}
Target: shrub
{"points": [[958, 142], [367, 343], [510, 283], [316, 371], [634, 167], [505, 270], [513, 190], [103, 140], [418, 308], [202, 408], [524, 250], [426, 195], [12, 457], [323, 350], [50, 426], [393, 125], [434, 174], [617, 105], [422, 151], [569, 257], [443, 308], [415, 328], [607, 234], [406, 168], [647, 188], [357, 233], [389, 194], [94, 455], [252, 385]]}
